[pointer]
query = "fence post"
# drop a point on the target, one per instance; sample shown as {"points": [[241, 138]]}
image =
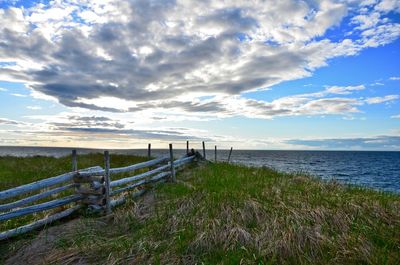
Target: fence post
{"points": [[215, 153], [230, 152], [187, 147], [74, 161], [75, 164], [107, 181], [171, 157], [149, 150], [204, 150]]}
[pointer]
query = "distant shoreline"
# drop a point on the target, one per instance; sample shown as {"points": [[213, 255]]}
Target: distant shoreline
{"points": [[210, 148]]}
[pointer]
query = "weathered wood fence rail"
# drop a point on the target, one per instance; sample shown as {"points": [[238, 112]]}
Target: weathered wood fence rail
{"points": [[92, 188]]}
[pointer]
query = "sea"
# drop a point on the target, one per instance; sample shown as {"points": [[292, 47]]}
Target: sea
{"points": [[378, 170]]}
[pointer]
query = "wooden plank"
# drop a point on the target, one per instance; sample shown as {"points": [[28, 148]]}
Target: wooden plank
{"points": [[91, 171], [44, 183], [204, 150], [88, 179], [115, 202], [230, 153], [95, 200], [24, 201], [171, 158], [183, 161], [107, 181], [41, 207], [39, 223], [187, 147], [141, 182], [122, 200], [96, 185], [36, 185], [89, 191], [139, 165], [123, 181]]}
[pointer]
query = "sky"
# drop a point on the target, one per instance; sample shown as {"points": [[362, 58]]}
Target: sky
{"points": [[287, 74]]}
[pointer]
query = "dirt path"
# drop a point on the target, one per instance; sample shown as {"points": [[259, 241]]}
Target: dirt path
{"points": [[37, 250], [43, 249]]}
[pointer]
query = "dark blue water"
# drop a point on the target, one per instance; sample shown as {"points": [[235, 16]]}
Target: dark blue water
{"points": [[378, 170]]}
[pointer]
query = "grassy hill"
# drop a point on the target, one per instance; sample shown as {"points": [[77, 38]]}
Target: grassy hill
{"points": [[229, 214]]}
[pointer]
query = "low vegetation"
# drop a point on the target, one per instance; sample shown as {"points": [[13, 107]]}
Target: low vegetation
{"points": [[229, 214], [16, 171]]}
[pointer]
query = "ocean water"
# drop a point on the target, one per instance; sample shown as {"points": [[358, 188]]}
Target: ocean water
{"points": [[377, 170]]}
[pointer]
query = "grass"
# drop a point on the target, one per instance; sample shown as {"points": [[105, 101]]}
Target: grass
{"points": [[229, 214], [16, 171]]}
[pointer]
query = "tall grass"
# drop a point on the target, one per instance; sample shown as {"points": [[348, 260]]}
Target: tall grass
{"points": [[229, 214]]}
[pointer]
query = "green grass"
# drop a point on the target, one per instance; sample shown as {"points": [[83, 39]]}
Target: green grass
{"points": [[228, 214], [16, 171]]}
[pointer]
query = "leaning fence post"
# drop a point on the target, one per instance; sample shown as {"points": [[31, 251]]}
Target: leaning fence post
{"points": [[204, 150], [171, 156], [107, 181], [149, 150], [215, 153], [187, 147], [229, 156], [74, 161]]}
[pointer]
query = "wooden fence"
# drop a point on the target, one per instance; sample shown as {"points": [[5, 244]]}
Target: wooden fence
{"points": [[93, 188]]}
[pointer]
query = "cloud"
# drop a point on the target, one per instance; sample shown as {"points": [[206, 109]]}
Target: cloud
{"points": [[369, 143], [395, 78], [165, 52], [89, 122], [388, 6], [377, 100], [170, 135], [4, 121], [18, 95], [377, 84], [395, 116], [34, 107], [68, 129], [325, 102], [343, 90]]}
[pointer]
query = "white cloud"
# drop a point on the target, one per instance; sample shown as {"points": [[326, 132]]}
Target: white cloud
{"points": [[13, 19], [377, 100], [395, 116], [344, 90], [388, 5], [18, 95], [377, 84], [367, 21], [395, 78], [34, 107]]}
